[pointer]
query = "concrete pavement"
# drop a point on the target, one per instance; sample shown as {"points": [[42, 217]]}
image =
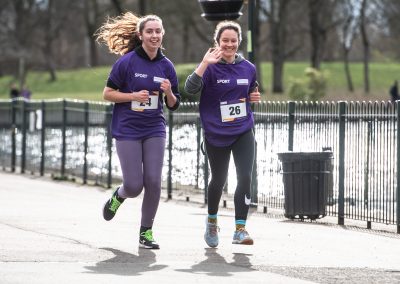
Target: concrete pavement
{"points": [[53, 232]]}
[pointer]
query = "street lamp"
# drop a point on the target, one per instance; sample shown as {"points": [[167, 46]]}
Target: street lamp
{"points": [[219, 10]]}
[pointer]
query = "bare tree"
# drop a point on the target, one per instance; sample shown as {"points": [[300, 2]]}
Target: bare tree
{"points": [[54, 18], [278, 24], [321, 22], [278, 13], [142, 7], [22, 32], [366, 44], [348, 30]]}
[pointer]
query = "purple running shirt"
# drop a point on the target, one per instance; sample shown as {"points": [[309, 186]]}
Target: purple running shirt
{"points": [[225, 102], [133, 72]]}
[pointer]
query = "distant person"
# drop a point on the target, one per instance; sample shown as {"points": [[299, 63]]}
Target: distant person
{"points": [[26, 93], [14, 92], [140, 82], [394, 91], [226, 83]]}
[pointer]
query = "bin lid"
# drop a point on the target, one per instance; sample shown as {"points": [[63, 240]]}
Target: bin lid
{"points": [[296, 156]]}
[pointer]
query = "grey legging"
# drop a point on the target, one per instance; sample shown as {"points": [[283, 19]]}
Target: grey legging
{"points": [[141, 163]]}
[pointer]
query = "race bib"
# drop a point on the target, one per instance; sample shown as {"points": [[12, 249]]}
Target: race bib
{"points": [[150, 105], [233, 110]]}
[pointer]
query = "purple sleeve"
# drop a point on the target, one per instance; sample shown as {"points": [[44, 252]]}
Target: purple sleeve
{"points": [[119, 71], [254, 82]]}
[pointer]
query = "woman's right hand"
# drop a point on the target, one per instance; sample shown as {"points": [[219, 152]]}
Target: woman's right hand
{"points": [[212, 56], [141, 96]]}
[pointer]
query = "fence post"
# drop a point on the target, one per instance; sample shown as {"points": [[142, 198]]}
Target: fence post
{"points": [[198, 129], [342, 134], [398, 168], [63, 131], [85, 147], [291, 110], [254, 180], [170, 127], [13, 134], [42, 138], [205, 170], [109, 144], [23, 141]]}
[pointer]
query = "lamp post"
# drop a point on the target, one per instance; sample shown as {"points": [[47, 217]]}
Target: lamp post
{"points": [[250, 32]]}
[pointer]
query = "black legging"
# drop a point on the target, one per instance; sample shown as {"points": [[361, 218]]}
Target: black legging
{"points": [[243, 156]]}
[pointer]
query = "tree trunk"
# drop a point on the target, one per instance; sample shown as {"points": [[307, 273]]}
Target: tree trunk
{"points": [[94, 58], [277, 73], [91, 16], [117, 5], [278, 21], [256, 38], [365, 42], [315, 32], [142, 7], [350, 86]]}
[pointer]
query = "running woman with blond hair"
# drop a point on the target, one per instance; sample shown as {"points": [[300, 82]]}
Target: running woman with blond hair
{"points": [[226, 83], [139, 83]]}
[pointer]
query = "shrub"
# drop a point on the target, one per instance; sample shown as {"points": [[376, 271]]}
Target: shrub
{"points": [[183, 72], [310, 88]]}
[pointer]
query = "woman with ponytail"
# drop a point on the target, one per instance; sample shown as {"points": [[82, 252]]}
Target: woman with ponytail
{"points": [[140, 82]]}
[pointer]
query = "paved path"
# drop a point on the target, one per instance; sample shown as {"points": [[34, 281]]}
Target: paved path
{"points": [[53, 232]]}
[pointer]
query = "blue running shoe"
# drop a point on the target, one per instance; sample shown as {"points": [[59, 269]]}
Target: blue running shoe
{"points": [[211, 234], [241, 237]]}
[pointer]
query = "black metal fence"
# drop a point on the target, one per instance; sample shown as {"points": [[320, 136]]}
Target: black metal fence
{"points": [[71, 139]]}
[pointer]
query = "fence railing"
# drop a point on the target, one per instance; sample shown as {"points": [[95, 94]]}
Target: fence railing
{"points": [[71, 139]]}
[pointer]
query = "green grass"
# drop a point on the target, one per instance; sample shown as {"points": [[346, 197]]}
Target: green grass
{"points": [[88, 84]]}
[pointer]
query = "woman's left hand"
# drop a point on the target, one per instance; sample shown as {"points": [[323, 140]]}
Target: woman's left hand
{"points": [[255, 96], [166, 87]]}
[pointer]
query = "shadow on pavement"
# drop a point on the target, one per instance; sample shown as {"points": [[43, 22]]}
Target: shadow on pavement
{"points": [[124, 263], [216, 265]]}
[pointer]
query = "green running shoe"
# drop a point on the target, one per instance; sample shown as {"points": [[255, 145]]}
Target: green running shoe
{"points": [[112, 205], [147, 241]]}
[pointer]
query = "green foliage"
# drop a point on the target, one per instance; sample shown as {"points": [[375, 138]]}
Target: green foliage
{"points": [[310, 88], [88, 83], [183, 71]]}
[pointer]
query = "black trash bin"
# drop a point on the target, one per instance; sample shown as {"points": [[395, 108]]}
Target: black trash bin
{"points": [[306, 180]]}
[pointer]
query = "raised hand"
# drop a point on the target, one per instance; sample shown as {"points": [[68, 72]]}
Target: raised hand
{"points": [[212, 56]]}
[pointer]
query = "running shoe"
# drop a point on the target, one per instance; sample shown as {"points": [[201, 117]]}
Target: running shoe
{"points": [[241, 237], [211, 234], [111, 206], [147, 241]]}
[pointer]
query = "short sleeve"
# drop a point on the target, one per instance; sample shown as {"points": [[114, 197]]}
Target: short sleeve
{"points": [[119, 71]]}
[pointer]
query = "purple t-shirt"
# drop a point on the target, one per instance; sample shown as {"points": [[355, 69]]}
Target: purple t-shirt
{"points": [[225, 102], [132, 73]]}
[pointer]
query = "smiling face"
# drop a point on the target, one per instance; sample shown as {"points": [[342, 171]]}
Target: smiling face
{"points": [[229, 44], [152, 35]]}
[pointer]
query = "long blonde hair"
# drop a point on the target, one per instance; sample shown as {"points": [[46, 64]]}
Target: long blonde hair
{"points": [[121, 33]]}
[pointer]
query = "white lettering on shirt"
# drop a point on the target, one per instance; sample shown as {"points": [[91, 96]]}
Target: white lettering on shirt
{"points": [[223, 81], [140, 75]]}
